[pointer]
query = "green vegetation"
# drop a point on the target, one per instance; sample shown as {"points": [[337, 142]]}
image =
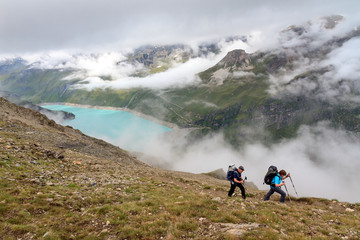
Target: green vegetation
{"points": [[238, 103]]}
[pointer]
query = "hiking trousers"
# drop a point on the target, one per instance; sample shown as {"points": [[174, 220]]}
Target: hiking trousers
{"points": [[278, 190], [232, 189]]}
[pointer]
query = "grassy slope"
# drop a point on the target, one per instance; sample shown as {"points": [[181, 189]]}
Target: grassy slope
{"points": [[59, 184]]}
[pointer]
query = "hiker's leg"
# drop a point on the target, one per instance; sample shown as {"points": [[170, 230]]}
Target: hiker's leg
{"points": [[242, 189], [232, 189], [282, 193], [271, 191]]}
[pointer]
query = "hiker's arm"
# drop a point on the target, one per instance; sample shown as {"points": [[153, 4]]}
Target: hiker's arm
{"points": [[286, 176], [235, 180], [282, 183]]}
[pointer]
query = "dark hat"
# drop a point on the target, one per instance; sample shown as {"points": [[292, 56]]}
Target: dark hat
{"points": [[242, 168]]}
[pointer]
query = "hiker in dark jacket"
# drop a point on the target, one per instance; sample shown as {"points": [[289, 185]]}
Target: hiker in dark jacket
{"points": [[237, 181], [276, 184]]}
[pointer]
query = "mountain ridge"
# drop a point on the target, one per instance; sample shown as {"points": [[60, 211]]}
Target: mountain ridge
{"points": [[281, 89]]}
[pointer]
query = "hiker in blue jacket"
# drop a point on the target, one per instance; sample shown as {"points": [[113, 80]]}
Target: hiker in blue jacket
{"points": [[237, 181], [276, 184]]}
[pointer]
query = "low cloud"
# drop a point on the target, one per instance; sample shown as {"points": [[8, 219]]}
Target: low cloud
{"points": [[331, 73], [240, 74], [323, 162], [342, 81], [57, 116], [109, 64], [320, 160], [110, 70], [174, 77]]}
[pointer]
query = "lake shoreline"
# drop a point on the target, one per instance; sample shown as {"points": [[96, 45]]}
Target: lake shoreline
{"points": [[139, 114]]}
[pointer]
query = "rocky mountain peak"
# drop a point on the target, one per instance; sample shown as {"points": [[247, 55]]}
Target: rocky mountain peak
{"points": [[329, 22], [236, 57]]}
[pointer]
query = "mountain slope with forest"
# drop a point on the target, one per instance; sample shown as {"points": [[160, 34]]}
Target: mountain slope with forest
{"points": [[57, 183], [276, 90]]}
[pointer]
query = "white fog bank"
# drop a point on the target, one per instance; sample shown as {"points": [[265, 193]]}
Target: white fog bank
{"points": [[323, 162]]}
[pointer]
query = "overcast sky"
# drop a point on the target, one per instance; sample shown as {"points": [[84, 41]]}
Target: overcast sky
{"points": [[42, 25]]}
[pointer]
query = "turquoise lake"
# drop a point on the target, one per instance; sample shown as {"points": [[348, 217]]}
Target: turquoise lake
{"points": [[120, 128]]}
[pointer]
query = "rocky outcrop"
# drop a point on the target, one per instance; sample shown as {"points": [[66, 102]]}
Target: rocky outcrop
{"points": [[151, 56], [50, 113], [236, 58], [219, 174]]}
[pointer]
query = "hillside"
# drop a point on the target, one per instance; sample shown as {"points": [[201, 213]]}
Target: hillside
{"points": [[57, 183], [20, 102]]}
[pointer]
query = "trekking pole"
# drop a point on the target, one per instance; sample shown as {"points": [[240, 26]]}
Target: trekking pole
{"points": [[287, 192], [244, 183], [293, 186]]}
